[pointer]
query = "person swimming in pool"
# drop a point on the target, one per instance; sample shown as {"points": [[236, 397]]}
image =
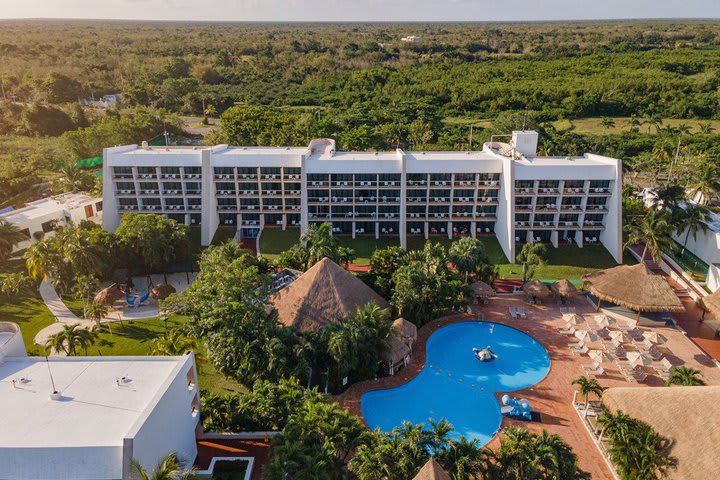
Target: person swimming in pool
{"points": [[484, 354]]}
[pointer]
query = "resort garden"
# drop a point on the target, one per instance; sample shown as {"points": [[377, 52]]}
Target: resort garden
{"points": [[262, 374]]}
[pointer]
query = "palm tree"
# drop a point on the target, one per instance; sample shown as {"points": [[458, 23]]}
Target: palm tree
{"points": [[634, 123], [320, 243], [70, 338], [169, 467], [607, 123], [706, 182], [682, 129], [706, 128], [10, 236], [468, 255], [685, 376], [654, 230], [173, 343], [42, 258], [95, 311], [586, 387], [693, 219], [531, 254]]}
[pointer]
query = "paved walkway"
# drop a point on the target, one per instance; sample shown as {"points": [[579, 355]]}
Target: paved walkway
{"points": [[63, 315]]}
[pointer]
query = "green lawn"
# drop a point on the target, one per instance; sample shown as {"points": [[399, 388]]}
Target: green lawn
{"points": [[274, 241], [492, 246], [364, 246], [223, 234]]}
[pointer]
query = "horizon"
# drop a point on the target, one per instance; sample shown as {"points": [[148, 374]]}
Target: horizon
{"points": [[364, 11]]}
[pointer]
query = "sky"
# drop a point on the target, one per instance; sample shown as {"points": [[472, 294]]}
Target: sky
{"points": [[360, 10]]}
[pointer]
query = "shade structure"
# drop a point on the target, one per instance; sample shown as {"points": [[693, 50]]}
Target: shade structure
{"points": [[711, 303], [481, 289], [621, 337], [586, 336], [605, 321], [536, 288], [600, 356], [161, 291], [685, 415], [639, 359], [405, 329], [655, 337], [321, 296], [109, 295], [396, 351], [564, 288], [431, 471], [633, 287], [573, 318]]}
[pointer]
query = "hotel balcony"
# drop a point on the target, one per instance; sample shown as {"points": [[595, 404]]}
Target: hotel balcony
{"points": [[247, 176], [149, 192], [465, 200], [125, 192], [175, 207], [524, 191], [596, 208], [224, 176], [248, 207], [193, 192], [147, 176], [548, 207], [122, 176], [173, 192], [599, 192], [127, 207], [571, 208], [271, 176], [486, 216], [523, 208], [388, 184], [573, 191]]}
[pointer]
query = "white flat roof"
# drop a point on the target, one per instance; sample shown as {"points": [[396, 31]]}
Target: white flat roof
{"points": [[93, 410], [48, 206]]}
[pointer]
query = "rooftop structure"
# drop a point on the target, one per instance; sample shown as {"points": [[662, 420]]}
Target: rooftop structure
{"points": [[45, 214], [505, 190], [87, 417], [321, 296]]}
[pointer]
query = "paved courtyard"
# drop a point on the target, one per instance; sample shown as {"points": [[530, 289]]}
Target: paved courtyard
{"points": [[552, 397]]}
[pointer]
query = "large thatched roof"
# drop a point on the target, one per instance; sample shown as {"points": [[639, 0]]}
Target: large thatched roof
{"points": [[633, 287], [711, 303], [431, 471], [563, 288], [683, 414], [321, 296]]}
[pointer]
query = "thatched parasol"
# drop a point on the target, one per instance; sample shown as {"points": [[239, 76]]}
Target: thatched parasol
{"points": [[109, 295], [321, 296], [405, 329], [431, 471], [633, 287], [536, 288], [161, 291], [674, 412], [711, 303], [481, 289], [563, 288]]}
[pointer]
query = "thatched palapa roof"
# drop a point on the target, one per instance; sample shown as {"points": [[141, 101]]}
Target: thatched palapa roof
{"points": [[563, 288], [405, 329], [161, 291], [711, 303], [633, 287], [321, 296], [396, 350], [481, 289], [109, 295], [536, 288], [432, 471], [685, 415]]}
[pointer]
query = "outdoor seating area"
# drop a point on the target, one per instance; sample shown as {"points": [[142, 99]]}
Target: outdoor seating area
{"points": [[633, 351]]}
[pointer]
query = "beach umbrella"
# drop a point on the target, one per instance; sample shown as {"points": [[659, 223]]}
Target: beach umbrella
{"points": [[639, 359], [161, 291], [600, 356], [655, 338], [621, 337], [109, 295], [573, 318], [586, 336], [605, 321], [563, 288]]}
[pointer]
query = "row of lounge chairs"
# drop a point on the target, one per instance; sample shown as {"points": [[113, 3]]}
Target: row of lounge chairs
{"points": [[517, 312]]}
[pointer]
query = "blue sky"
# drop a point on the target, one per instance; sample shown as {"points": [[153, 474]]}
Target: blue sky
{"points": [[360, 10]]}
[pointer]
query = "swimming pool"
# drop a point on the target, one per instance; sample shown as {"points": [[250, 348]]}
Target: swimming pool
{"points": [[456, 386]]}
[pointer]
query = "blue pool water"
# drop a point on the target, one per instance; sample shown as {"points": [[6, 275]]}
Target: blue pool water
{"points": [[456, 386]]}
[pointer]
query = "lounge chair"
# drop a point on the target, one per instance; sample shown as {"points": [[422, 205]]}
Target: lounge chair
{"points": [[134, 302], [513, 313], [521, 311]]}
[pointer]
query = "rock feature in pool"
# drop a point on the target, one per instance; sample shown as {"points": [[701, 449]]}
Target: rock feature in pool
{"points": [[454, 385]]}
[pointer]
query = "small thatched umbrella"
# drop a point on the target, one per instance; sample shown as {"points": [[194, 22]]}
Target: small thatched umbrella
{"points": [[161, 291], [395, 353], [564, 288], [405, 329], [536, 288], [711, 303], [481, 289], [109, 295], [633, 287]]}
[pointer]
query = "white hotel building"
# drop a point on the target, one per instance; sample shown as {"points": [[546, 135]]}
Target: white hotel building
{"points": [[505, 190]]}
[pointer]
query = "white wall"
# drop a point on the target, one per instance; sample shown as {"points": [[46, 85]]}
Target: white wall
{"points": [[168, 425], [61, 463], [11, 345], [713, 278], [706, 246], [504, 225]]}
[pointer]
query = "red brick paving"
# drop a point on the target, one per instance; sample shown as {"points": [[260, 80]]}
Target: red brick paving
{"points": [[232, 447], [552, 397]]}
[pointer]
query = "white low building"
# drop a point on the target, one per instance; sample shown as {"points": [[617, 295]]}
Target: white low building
{"points": [[40, 217], [505, 190], [107, 411]]}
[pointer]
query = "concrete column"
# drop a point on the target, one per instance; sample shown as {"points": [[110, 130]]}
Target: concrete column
{"points": [[402, 225], [208, 213], [554, 238], [473, 228]]}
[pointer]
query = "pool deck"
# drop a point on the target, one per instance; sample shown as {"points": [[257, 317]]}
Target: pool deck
{"points": [[552, 397]]}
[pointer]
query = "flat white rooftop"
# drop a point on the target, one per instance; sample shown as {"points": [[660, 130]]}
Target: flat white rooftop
{"points": [[93, 410], [46, 206]]}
